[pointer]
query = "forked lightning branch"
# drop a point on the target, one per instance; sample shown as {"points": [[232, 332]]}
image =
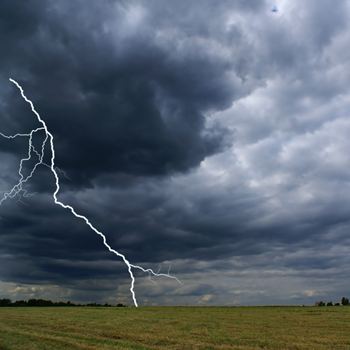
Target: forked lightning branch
{"points": [[18, 191]]}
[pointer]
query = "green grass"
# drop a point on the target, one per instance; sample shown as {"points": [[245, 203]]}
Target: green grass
{"points": [[260, 327]]}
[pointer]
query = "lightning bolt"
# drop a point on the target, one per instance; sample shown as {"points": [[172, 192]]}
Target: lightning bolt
{"points": [[18, 189]]}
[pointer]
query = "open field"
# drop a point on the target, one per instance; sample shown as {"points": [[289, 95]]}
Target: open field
{"points": [[286, 327]]}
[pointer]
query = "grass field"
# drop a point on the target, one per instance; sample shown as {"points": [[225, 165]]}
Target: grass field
{"points": [[286, 327]]}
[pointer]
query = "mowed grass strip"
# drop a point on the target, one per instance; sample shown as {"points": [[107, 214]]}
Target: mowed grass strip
{"points": [[285, 327]]}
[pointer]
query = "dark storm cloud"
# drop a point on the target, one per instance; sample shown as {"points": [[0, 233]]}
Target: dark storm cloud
{"points": [[114, 66]]}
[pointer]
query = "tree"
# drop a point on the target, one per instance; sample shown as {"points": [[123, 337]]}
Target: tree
{"points": [[5, 302], [344, 301], [329, 303]]}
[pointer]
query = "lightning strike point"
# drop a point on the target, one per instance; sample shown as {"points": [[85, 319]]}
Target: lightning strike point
{"points": [[18, 189]]}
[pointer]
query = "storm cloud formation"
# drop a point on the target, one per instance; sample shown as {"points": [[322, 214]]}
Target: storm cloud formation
{"points": [[211, 135]]}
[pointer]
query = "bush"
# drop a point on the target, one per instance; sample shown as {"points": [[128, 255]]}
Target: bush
{"points": [[320, 303], [344, 301], [39, 302], [336, 304], [329, 303]]}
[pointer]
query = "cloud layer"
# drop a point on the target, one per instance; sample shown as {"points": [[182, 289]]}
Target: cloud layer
{"points": [[211, 136]]}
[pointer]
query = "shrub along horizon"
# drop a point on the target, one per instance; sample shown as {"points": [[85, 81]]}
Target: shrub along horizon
{"points": [[41, 302], [344, 302]]}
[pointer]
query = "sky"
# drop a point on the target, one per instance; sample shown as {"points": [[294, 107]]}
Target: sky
{"points": [[208, 137]]}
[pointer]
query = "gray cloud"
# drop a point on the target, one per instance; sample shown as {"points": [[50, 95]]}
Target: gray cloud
{"points": [[211, 135]]}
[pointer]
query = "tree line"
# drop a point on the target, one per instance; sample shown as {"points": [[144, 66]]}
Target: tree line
{"points": [[42, 302], [344, 302]]}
